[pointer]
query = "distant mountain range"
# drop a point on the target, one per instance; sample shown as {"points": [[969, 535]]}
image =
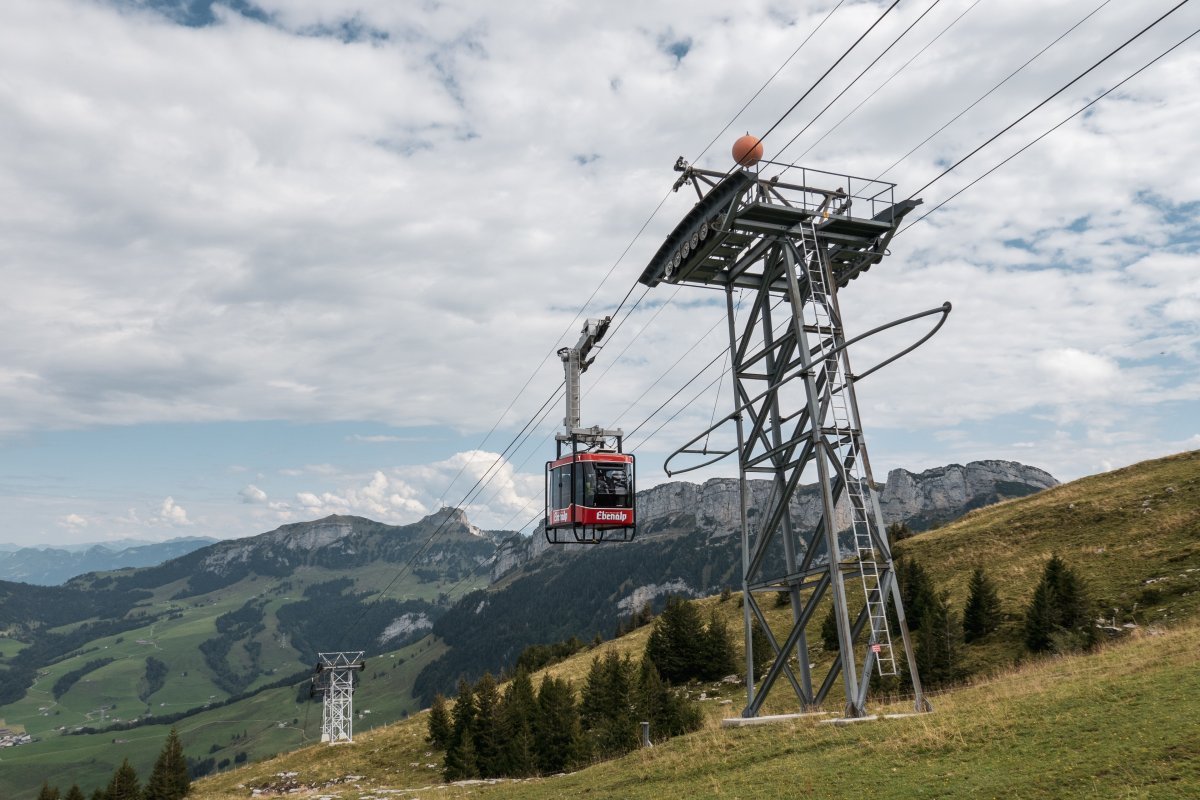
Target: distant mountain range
{"points": [[56, 564]]}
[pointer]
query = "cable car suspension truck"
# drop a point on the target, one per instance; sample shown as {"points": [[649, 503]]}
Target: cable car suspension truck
{"points": [[590, 484]]}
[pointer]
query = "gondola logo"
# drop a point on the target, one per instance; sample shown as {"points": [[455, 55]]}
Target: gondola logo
{"points": [[610, 516], [558, 516]]}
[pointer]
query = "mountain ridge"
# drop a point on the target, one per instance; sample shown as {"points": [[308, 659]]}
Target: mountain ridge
{"points": [[52, 565], [919, 499]]}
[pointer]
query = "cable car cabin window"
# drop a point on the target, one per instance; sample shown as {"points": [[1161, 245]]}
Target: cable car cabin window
{"points": [[611, 485], [560, 486]]}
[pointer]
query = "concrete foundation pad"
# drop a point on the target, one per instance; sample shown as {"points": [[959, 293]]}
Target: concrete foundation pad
{"points": [[907, 714], [849, 720], [770, 719]]}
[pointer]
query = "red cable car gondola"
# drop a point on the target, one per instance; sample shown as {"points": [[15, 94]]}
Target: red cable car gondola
{"points": [[590, 496]]}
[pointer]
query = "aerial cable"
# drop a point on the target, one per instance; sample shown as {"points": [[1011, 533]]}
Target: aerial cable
{"points": [[1065, 86], [881, 86], [831, 68], [725, 351], [667, 371], [678, 391], [662, 202], [641, 330], [724, 365], [768, 81], [989, 92], [1046, 133], [492, 560], [530, 454], [441, 526], [681, 409], [850, 85], [779, 121]]}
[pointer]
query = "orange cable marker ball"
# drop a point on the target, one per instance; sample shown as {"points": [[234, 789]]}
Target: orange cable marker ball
{"points": [[747, 150]]}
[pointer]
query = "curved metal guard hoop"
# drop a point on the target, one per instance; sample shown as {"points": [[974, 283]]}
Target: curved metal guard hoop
{"points": [[944, 309]]}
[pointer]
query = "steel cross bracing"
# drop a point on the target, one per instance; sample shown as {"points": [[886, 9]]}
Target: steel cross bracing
{"points": [[337, 713], [789, 247]]}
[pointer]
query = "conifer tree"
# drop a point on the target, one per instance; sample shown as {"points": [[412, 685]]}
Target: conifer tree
{"points": [[1059, 615], [48, 792], [718, 657], [916, 591], [556, 727], [124, 784], [1039, 619], [651, 700], [829, 631], [97, 794], [74, 793], [981, 615], [898, 531], [937, 649], [656, 703], [459, 762], [169, 779], [518, 712], [439, 723], [486, 731], [673, 643], [606, 710], [762, 649]]}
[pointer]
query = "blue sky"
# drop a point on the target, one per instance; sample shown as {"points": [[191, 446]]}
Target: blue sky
{"points": [[269, 261]]}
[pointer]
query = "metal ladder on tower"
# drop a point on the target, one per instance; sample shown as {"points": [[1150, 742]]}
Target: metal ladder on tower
{"points": [[845, 436]]}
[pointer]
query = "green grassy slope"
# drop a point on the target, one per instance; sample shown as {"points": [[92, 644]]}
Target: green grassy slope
{"points": [[1118, 723], [1132, 534]]}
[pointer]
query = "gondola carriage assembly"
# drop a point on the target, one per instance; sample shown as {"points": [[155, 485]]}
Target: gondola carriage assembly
{"points": [[590, 484]]}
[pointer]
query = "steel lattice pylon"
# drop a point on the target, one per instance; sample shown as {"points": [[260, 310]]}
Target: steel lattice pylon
{"points": [[335, 671], [786, 248]]}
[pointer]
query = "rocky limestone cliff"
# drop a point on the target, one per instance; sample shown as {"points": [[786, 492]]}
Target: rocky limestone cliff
{"points": [[939, 495], [920, 500]]}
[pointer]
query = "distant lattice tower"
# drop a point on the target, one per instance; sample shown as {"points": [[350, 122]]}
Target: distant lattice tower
{"points": [[334, 675], [779, 252]]}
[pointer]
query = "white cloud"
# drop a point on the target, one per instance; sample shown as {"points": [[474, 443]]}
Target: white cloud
{"points": [[1080, 373], [381, 498], [238, 222], [171, 513], [498, 495], [252, 494], [73, 522]]}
